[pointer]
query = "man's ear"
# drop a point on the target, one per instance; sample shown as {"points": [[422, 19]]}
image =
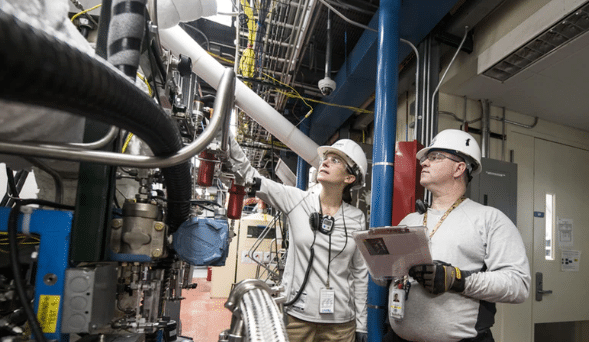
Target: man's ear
{"points": [[460, 169]]}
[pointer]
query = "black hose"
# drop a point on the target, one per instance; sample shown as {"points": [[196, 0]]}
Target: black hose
{"points": [[15, 263], [41, 70]]}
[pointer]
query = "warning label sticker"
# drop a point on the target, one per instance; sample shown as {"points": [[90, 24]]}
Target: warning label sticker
{"points": [[48, 312]]}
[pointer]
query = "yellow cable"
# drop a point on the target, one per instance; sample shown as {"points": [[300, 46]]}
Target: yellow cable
{"points": [[127, 142], [355, 109], [84, 11], [296, 92], [146, 83]]}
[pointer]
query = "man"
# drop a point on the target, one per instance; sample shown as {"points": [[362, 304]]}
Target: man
{"points": [[480, 258]]}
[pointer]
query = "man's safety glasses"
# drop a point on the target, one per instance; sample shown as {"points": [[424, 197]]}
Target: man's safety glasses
{"points": [[438, 156]]}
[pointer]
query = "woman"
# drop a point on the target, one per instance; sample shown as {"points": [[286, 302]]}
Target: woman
{"points": [[325, 277]]}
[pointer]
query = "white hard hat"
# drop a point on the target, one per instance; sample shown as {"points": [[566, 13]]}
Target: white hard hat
{"points": [[353, 155], [457, 142]]}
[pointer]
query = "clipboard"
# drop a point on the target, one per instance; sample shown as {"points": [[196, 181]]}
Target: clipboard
{"points": [[391, 251]]}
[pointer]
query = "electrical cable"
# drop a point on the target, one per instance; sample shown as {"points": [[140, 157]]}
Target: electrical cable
{"points": [[15, 263], [20, 179], [184, 25], [84, 12], [11, 184]]}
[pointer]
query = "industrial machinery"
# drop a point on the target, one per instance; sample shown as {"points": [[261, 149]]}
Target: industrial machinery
{"points": [[113, 265]]}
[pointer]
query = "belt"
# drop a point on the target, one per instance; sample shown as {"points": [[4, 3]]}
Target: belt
{"points": [[483, 336]]}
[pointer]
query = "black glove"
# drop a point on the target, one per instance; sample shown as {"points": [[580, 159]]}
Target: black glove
{"points": [[438, 277], [361, 337]]}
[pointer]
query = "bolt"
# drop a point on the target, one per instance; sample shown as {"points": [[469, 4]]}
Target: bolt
{"points": [[159, 226], [50, 279], [117, 223], [156, 253]]}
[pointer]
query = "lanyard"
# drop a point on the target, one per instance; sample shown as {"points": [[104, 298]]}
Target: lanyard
{"points": [[457, 203]]}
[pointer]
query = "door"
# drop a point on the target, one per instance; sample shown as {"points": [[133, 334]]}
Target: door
{"points": [[562, 173]]}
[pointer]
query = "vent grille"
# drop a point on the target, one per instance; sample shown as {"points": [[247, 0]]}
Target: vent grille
{"points": [[546, 42]]}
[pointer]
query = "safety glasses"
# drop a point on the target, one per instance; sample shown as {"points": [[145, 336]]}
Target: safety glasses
{"points": [[438, 156]]}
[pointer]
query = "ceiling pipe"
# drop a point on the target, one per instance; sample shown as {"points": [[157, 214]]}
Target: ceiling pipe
{"points": [[485, 132], [210, 70], [327, 85]]}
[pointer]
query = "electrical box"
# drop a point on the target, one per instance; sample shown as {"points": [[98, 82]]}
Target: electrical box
{"points": [[240, 265], [496, 186]]}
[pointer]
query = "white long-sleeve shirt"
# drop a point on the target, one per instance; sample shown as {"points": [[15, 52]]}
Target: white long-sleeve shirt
{"points": [[473, 237], [348, 274]]}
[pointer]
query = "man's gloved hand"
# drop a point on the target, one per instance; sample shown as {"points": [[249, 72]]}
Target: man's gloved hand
{"points": [[438, 277], [361, 337]]}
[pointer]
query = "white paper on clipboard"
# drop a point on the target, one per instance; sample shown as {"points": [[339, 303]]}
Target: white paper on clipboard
{"points": [[391, 251]]}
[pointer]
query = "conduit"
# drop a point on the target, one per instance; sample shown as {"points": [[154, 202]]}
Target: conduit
{"points": [[210, 70]]}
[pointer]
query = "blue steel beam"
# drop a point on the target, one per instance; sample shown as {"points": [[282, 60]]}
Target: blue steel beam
{"points": [[302, 165], [356, 79]]}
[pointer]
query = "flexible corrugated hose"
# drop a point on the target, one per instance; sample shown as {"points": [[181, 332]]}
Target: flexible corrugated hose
{"points": [[41, 70]]}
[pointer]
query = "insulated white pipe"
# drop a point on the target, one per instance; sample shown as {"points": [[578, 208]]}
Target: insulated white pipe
{"points": [[205, 66]]}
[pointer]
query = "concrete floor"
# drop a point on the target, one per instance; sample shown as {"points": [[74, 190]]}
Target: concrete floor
{"points": [[203, 318]]}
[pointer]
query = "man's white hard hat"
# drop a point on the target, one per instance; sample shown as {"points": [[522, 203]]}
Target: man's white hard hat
{"points": [[459, 143]]}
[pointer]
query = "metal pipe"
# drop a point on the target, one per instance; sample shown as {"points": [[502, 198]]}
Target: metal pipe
{"points": [[112, 133], [485, 133], [517, 123], [290, 51], [385, 118], [56, 177], [503, 134], [416, 80], [210, 70], [221, 109], [328, 46], [346, 18], [449, 65]]}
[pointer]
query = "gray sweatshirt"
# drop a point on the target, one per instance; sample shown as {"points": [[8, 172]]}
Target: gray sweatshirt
{"points": [[473, 238]]}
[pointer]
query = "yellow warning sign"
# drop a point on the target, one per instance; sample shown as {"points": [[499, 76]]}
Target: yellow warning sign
{"points": [[48, 312]]}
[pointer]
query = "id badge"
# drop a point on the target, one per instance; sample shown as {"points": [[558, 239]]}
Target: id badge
{"points": [[397, 304], [327, 301]]}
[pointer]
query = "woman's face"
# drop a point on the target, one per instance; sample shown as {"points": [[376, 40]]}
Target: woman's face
{"points": [[333, 170]]}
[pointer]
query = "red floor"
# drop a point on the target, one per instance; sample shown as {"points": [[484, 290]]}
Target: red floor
{"points": [[203, 318]]}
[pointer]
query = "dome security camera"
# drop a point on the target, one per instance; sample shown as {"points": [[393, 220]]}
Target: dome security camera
{"points": [[327, 86]]}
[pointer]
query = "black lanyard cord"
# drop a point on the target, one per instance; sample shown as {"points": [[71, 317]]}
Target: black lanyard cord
{"points": [[311, 257]]}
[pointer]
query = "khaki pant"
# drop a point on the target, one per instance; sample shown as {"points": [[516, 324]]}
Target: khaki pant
{"points": [[303, 331]]}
